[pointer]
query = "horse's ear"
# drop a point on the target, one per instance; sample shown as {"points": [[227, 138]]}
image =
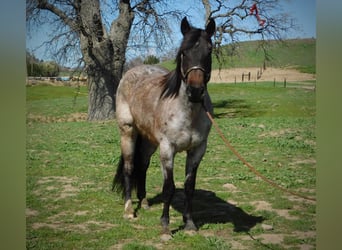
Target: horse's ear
{"points": [[185, 26], [211, 26]]}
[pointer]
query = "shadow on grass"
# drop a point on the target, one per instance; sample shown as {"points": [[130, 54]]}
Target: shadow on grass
{"points": [[210, 209], [235, 108]]}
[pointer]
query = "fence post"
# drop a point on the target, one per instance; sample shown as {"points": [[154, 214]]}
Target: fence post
{"points": [[249, 76], [273, 82], [284, 82], [235, 80]]}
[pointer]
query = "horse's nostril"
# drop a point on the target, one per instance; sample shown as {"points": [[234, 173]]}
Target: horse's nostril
{"points": [[195, 94]]}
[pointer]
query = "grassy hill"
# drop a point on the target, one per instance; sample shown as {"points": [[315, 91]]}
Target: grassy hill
{"points": [[296, 53]]}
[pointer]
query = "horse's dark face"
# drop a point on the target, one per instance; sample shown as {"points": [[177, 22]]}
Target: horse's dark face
{"points": [[195, 58]]}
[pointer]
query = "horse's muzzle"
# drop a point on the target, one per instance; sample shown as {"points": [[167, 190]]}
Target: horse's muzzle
{"points": [[195, 94]]}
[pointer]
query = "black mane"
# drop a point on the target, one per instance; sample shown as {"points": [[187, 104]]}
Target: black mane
{"points": [[172, 81]]}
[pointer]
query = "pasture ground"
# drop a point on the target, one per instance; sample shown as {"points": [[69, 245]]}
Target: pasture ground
{"points": [[71, 162]]}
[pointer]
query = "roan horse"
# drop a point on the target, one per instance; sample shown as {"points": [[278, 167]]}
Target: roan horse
{"points": [[155, 107]]}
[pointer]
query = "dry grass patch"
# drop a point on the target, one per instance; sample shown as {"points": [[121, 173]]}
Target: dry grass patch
{"points": [[74, 117]]}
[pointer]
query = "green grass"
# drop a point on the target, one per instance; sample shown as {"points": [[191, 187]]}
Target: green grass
{"points": [[53, 101], [70, 166], [298, 53]]}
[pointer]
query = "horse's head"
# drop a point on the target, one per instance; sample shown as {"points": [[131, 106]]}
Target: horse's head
{"points": [[194, 58]]}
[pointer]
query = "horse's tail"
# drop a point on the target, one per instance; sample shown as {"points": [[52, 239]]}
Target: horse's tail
{"points": [[119, 178]]}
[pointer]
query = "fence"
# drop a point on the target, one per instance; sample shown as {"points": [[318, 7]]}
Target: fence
{"points": [[283, 82]]}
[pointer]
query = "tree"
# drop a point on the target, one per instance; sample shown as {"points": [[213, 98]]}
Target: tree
{"points": [[81, 23], [102, 39], [270, 23], [50, 69], [35, 67], [151, 59]]}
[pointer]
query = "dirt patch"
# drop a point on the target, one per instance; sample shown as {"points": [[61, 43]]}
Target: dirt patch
{"points": [[30, 212], [271, 238], [59, 187], [270, 74], [86, 227], [74, 117], [230, 187], [264, 205], [309, 161], [278, 133], [51, 82]]}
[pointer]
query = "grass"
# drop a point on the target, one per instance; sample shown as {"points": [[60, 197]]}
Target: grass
{"points": [[70, 166], [297, 53]]}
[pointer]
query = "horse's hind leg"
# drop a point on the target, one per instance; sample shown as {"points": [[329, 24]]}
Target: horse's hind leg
{"points": [[143, 152], [127, 148], [128, 139]]}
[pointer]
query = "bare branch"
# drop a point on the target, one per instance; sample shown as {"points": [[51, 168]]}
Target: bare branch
{"points": [[152, 24], [236, 21], [45, 5]]}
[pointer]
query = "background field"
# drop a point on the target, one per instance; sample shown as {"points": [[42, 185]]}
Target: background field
{"points": [[298, 54], [70, 166]]}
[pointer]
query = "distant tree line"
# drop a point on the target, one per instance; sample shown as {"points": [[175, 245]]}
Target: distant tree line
{"points": [[151, 59], [36, 67], [136, 61]]}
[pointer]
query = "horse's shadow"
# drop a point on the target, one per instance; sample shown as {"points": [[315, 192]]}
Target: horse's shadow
{"points": [[210, 209]]}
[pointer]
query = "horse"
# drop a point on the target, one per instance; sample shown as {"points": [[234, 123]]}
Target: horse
{"points": [[166, 109]]}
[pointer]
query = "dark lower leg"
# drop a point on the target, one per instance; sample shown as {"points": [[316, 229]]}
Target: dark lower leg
{"points": [[141, 189], [168, 192], [144, 151], [129, 211], [189, 188]]}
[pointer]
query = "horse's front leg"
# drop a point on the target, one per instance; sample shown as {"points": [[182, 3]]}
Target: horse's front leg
{"points": [[193, 160], [166, 157]]}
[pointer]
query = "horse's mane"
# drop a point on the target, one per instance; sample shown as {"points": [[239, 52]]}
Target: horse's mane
{"points": [[172, 81]]}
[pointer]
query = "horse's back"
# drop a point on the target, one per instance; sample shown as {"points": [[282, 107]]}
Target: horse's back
{"points": [[138, 74], [137, 81]]}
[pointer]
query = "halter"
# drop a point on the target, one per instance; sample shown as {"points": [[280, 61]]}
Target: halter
{"points": [[195, 94], [185, 75]]}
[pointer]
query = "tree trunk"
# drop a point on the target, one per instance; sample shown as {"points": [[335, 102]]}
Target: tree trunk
{"points": [[104, 56], [102, 87]]}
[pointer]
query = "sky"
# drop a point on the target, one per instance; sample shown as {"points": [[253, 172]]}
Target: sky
{"points": [[303, 11]]}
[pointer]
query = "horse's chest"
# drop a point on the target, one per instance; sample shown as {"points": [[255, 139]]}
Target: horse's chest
{"points": [[184, 134]]}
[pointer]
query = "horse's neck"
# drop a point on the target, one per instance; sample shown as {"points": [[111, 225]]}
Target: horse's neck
{"points": [[190, 107]]}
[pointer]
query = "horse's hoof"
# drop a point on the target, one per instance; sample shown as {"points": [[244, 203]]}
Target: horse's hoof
{"points": [[144, 204], [129, 216], [166, 234], [165, 237], [129, 212], [190, 226], [190, 232]]}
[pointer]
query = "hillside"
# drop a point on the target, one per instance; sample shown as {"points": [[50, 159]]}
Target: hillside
{"points": [[299, 54]]}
